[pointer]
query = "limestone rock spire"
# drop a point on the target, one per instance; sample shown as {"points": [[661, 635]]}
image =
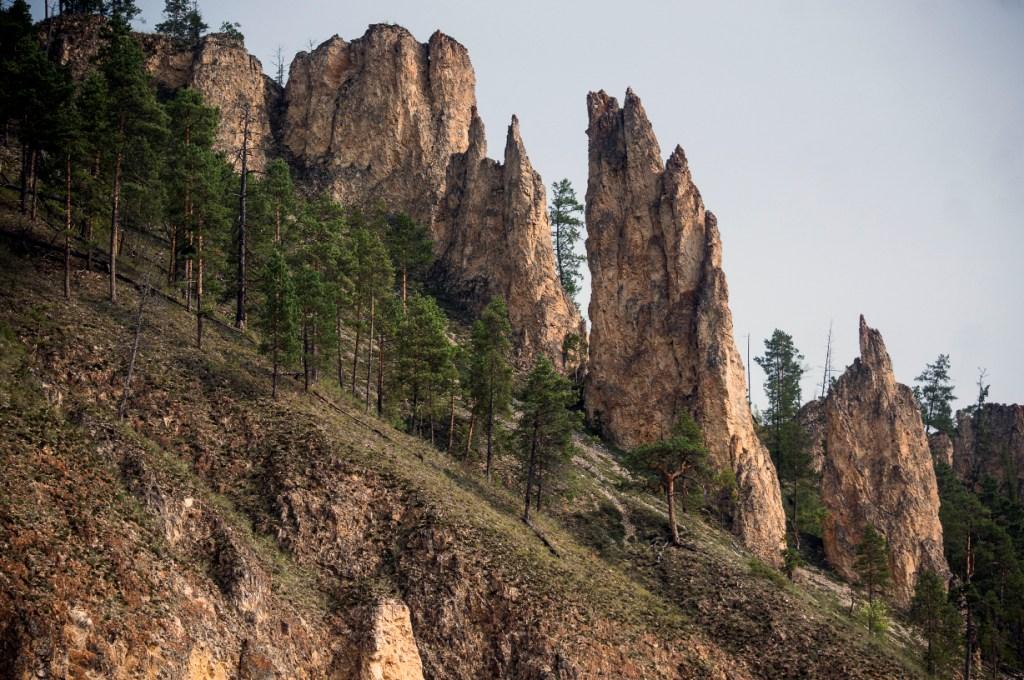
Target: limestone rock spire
{"points": [[662, 340]]}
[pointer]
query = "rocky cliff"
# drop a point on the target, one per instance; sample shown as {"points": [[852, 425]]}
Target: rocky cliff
{"points": [[493, 228], [990, 443], [220, 68], [662, 339], [388, 120], [878, 471], [941, 447], [230, 79]]}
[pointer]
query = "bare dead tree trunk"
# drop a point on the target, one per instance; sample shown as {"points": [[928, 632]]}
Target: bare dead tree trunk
{"points": [[469, 434], [122, 409], [274, 379], [35, 178], [67, 226], [305, 354], [670, 496], [115, 224], [451, 424], [369, 353], [199, 290], [355, 349], [240, 296], [380, 374], [341, 363]]}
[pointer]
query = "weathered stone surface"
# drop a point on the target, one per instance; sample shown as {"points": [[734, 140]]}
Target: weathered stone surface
{"points": [[991, 444], [941, 447], [812, 420], [376, 120], [385, 120], [391, 652], [662, 340], [493, 227], [229, 79], [878, 471]]}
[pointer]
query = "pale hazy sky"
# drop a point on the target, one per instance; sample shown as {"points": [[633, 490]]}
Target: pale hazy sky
{"points": [[861, 157]]}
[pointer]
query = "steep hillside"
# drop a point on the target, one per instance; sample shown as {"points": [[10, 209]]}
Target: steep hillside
{"points": [[215, 532]]}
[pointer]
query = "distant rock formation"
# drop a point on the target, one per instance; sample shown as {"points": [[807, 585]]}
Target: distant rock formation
{"points": [[991, 444], [812, 420], [662, 339], [878, 471]]}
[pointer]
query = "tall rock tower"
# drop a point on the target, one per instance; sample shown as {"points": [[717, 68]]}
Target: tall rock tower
{"points": [[662, 340], [878, 471]]}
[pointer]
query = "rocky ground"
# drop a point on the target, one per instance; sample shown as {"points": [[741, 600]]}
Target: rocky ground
{"points": [[216, 533]]}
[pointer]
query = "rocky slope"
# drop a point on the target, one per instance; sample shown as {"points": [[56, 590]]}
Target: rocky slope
{"points": [[217, 533], [878, 471], [991, 444], [662, 340]]}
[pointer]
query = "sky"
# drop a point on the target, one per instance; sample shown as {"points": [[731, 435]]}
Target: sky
{"points": [[862, 158]]}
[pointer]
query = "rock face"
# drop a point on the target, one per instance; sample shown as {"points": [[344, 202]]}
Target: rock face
{"points": [[812, 420], [230, 79], [991, 444], [377, 119], [220, 68], [662, 340], [941, 447], [391, 652], [388, 120], [878, 471], [494, 231]]}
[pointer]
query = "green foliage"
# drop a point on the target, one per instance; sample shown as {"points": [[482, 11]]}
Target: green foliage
{"points": [[489, 370], [411, 248], [784, 435], [791, 559], [232, 31], [872, 564], [182, 21], [566, 229], [874, 616], [277, 315], [935, 395], [425, 361], [939, 622], [544, 430], [678, 462]]}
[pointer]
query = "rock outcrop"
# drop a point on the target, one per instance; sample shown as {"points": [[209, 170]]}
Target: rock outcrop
{"points": [[391, 652], [386, 120], [812, 420], [219, 67], [878, 471], [662, 339], [376, 120], [229, 79], [493, 227], [941, 447], [990, 444]]}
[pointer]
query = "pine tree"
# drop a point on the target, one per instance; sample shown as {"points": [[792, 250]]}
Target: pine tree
{"points": [[677, 462], [232, 31], [315, 319], [935, 395], [781, 430], [372, 277], [423, 358], [411, 248], [132, 123], [277, 317], [182, 21], [566, 228], [872, 567], [544, 430], [490, 372], [938, 621]]}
